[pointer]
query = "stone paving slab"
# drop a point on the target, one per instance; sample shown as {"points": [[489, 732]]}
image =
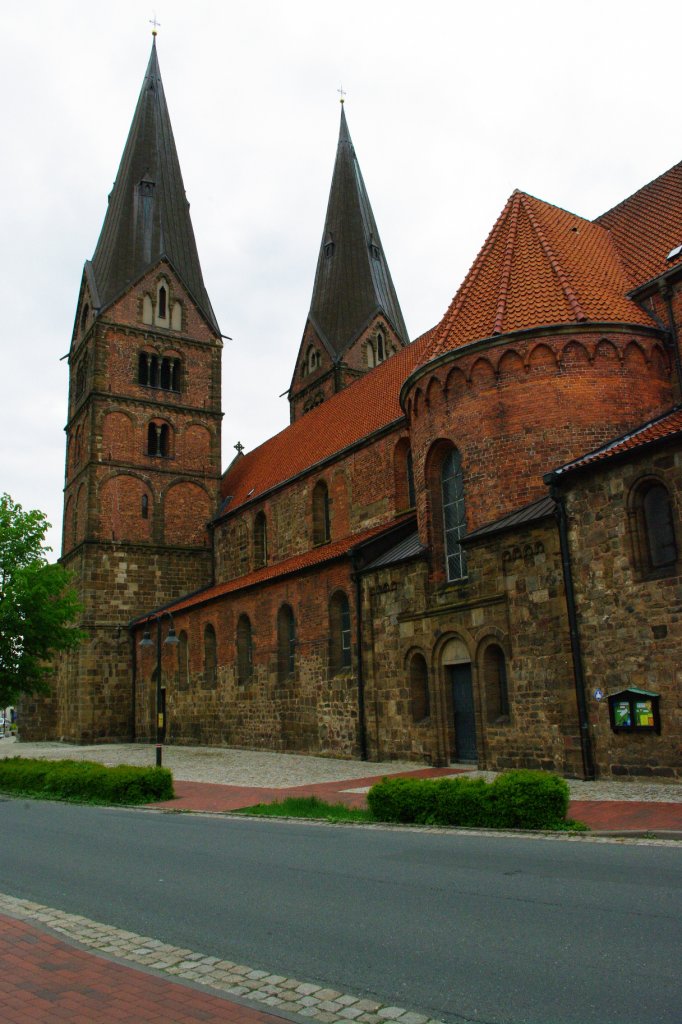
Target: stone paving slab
{"points": [[49, 980]]}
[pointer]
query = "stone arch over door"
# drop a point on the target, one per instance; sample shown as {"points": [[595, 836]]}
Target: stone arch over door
{"points": [[460, 719]]}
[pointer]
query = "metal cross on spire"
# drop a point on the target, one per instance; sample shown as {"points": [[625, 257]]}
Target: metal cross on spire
{"points": [[155, 23], [342, 93]]}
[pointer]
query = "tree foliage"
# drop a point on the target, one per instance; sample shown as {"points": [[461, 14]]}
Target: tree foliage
{"points": [[37, 604]]}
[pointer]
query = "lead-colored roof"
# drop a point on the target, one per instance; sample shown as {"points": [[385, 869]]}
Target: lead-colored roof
{"points": [[648, 225], [539, 266], [145, 224], [364, 407], [352, 281]]}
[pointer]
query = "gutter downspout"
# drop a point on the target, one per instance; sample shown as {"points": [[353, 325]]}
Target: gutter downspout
{"points": [[578, 674], [133, 695], [362, 724]]}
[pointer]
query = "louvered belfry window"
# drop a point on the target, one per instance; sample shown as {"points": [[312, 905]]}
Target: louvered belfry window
{"points": [[454, 518]]}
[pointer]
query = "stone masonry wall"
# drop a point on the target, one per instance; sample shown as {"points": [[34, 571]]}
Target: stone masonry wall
{"points": [[630, 623]]}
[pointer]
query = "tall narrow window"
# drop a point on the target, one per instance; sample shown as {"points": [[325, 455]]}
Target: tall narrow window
{"points": [[321, 526], [495, 681], [286, 643], [658, 526], [183, 660], [339, 627], [163, 298], [260, 541], [145, 507], [210, 656], [420, 704], [409, 469], [244, 650], [454, 519]]}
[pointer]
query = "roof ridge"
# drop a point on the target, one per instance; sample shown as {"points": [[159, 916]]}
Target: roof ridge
{"points": [[467, 284], [507, 264], [562, 276]]}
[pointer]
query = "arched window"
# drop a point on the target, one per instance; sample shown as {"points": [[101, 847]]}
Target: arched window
{"points": [[260, 541], [144, 511], [381, 352], [454, 518], [419, 688], [158, 440], [652, 524], [339, 629], [404, 476], [183, 660], [286, 643], [210, 656], [163, 303], [244, 650], [321, 529], [495, 683]]}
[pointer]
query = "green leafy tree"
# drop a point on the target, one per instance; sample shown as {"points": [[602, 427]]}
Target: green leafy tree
{"points": [[37, 604]]}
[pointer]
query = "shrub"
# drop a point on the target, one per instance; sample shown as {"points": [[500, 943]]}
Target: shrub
{"points": [[85, 781], [516, 799], [528, 799]]}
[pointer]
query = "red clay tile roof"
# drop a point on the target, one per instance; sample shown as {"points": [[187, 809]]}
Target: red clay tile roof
{"points": [[667, 426], [539, 266], [648, 225], [306, 560], [367, 405]]}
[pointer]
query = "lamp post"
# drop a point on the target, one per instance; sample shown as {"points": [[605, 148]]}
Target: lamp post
{"points": [[147, 641]]}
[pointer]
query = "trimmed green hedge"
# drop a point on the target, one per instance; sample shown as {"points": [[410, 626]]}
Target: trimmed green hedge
{"points": [[515, 799], [85, 781]]}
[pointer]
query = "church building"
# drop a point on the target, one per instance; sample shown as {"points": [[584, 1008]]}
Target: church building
{"points": [[465, 547]]}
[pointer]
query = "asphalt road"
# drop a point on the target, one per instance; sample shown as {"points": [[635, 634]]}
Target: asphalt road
{"points": [[496, 930]]}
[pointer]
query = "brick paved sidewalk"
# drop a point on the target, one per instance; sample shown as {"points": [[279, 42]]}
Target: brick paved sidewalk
{"points": [[46, 980]]}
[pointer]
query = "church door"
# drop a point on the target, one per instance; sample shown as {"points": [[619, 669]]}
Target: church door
{"points": [[463, 708]]}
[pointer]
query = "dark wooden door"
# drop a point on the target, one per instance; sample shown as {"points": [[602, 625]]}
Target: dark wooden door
{"points": [[463, 708]]}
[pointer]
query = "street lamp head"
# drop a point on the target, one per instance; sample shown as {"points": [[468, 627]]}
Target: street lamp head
{"points": [[171, 638], [146, 640]]}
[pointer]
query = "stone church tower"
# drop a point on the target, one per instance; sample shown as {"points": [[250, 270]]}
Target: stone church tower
{"points": [[355, 321], [143, 429]]}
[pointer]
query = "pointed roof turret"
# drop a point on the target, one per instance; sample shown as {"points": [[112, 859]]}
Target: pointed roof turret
{"points": [[148, 214], [352, 281]]}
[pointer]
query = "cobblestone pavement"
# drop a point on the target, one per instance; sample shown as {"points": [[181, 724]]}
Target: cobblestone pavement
{"points": [[125, 996], [263, 769]]}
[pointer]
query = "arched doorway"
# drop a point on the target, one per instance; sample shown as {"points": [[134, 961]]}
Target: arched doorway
{"points": [[460, 693]]}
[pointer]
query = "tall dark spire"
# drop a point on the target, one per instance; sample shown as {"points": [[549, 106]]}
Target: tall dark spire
{"points": [[148, 215], [352, 281]]}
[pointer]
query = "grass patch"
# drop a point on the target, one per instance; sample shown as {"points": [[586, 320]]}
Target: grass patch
{"points": [[307, 807], [84, 782]]}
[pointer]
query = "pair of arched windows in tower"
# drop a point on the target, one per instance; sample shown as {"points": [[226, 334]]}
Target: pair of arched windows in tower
{"points": [[493, 669], [158, 440]]}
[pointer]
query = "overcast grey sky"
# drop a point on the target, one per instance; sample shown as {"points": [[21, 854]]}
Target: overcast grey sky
{"points": [[450, 105]]}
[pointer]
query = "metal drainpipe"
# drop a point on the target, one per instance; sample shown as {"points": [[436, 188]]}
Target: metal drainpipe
{"points": [[667, 298], [361, 679], [578, 675], [133, 696]]}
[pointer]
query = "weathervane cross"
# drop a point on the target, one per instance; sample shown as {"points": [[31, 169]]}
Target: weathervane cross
{"points": [[342, 93], [155, 23]]}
